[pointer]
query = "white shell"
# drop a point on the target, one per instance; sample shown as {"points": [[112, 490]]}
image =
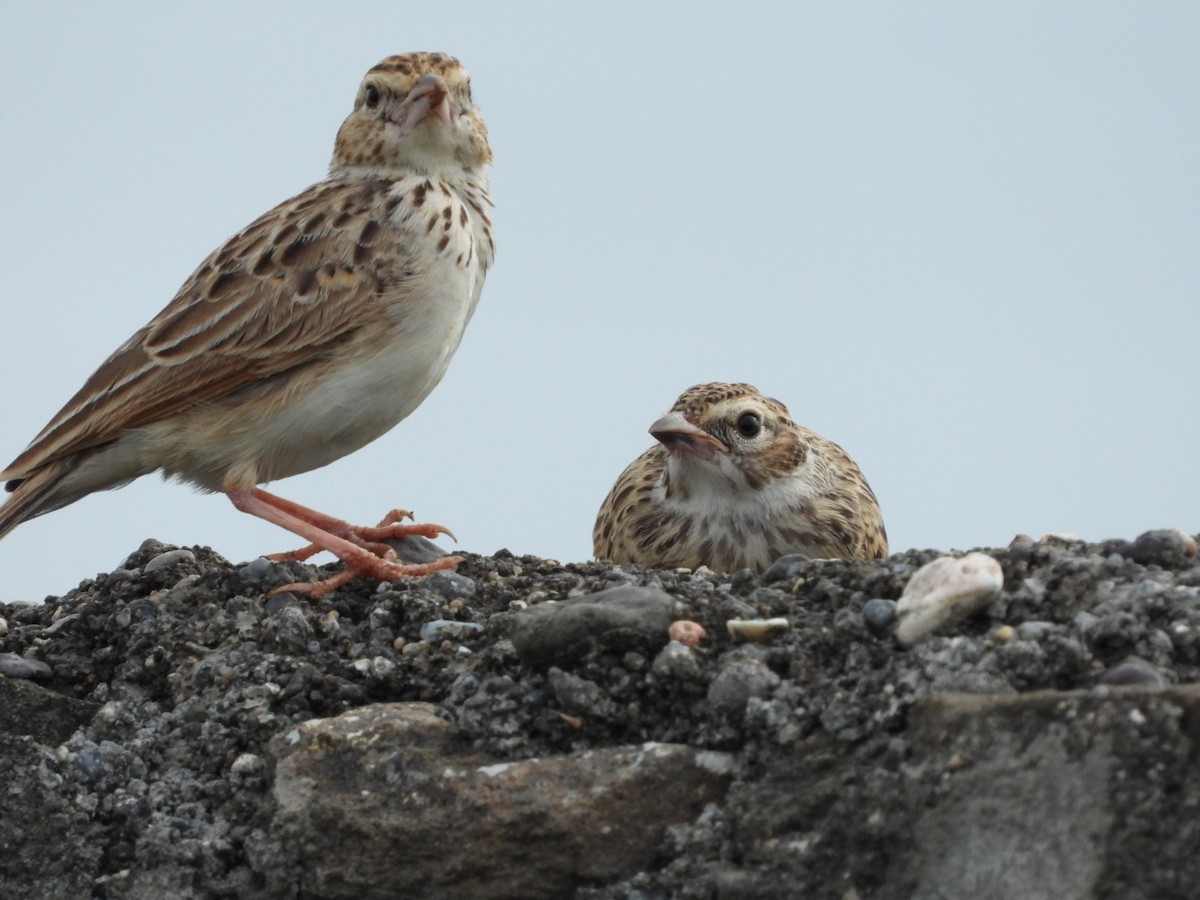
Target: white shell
{"points": [[757, 630], [944, 591]]}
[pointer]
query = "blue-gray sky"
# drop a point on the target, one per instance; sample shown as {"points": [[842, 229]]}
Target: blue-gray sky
{"points": [[960, 239]]}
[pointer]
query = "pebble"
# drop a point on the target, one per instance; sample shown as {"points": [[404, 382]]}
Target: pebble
{"points": [[786, 568], [246, 765], [378, 666], [1034, 630], [256, 568], [945, 591], [3, 626], [168, 559], [579, 695], [758, 631], [450, 585], [1133, 670], [448, 630], [678, 662], [617, 619], [741, 578], [879, 615], [686, 632], [740, 678], [416, 550], [14, 666], [1163, 547]]}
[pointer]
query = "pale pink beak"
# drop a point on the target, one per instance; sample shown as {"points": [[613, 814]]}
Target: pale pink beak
{"points": [[675, 432], [431, 97]]}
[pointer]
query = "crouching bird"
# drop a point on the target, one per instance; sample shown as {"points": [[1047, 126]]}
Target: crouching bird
{"points": [[734, 483]]}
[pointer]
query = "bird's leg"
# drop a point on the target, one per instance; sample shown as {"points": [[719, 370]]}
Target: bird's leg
{"points": [[359, 560], [390, 527]]}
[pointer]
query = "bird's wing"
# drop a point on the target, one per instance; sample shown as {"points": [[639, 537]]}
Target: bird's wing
{"points": [[629, 518], [277, 295]]}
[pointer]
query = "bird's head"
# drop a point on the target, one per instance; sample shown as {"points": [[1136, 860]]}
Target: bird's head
{"points": [[729, 435], [413, 114]]}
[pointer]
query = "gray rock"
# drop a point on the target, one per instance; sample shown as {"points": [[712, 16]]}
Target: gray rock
{"points": [[416, 550], [449, 630], [450, 585], [679, 662], [394, 776], [879, 616], [168, 559], [1164, 547], [1035, 630], [44, 716], [1133, 671], [622, 618], [579, 696], [786, 568], [743, 674], [14, 666]]}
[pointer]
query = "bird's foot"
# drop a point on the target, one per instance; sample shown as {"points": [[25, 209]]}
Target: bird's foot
{"points": [[369, 567], [391, 527], [360, 548]]}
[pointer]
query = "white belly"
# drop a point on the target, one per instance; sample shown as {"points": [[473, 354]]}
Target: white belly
{"points": [[330, 411]]}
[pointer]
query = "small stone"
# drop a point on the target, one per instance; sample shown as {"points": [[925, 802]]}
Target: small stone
{"points": [[579, 695], [686, 632], [1062, 537], [92, 763], [416, 550], [448, 630], [450, 585], [246, 765], [617, 619], [956, 762], [1133, 671], [786, 568], [1035, 630], [14, 666], [168, 559], [758, 631], [945, 591], [741, 578], [256, 569], [741, 677], [678, 662], [1163, 547], [1004, 634], [879, 615], [3, 627]]}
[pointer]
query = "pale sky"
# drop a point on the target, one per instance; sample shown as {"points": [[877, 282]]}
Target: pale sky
{"points": [[960, 239]]}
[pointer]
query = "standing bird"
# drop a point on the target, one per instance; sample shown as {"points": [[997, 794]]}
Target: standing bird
{"points": [[735, 483], [305, 336]]}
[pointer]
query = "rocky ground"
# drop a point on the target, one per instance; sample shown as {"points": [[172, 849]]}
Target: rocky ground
{"points": [[170, 729]]}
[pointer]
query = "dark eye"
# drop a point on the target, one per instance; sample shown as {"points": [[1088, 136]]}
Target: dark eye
{"points": [[372, 96], [749, 425]]}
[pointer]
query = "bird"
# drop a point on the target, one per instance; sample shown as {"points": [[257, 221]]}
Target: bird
{"points": [[305, 336], [733, 483]]}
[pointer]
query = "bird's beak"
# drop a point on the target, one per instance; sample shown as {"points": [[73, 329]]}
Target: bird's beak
{"points": [[431, 97], [675, 432]]}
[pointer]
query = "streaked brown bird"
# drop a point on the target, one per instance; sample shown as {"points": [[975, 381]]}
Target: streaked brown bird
{"points": [[305, 336], [735, 483]]}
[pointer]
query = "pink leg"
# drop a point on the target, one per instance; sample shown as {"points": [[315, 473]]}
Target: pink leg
{"points": [[358, 548], [389, 528]]}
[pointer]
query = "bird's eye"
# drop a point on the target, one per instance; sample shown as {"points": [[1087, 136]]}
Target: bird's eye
{"points": [[372, 96], [749, 425]]}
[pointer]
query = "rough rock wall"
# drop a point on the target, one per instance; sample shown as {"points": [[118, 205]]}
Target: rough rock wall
{"points": [[170, 730]]}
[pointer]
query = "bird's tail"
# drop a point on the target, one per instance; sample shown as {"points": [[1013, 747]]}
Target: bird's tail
{"points": [[31, 495]]}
